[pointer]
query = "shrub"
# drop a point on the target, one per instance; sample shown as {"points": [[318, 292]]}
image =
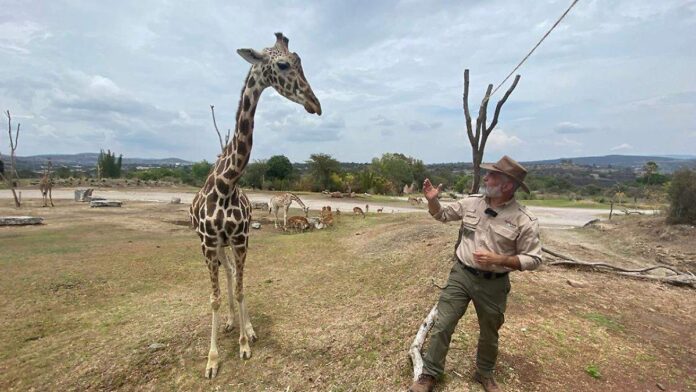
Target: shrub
{"points": [[682, 197]]}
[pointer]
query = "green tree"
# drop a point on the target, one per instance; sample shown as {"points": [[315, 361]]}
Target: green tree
{"points": [[109, 166], [62, 172], [200, 171], [463, 183], [400, 170], [279, 167], [682, 197], [255, 174], [322, 166]]}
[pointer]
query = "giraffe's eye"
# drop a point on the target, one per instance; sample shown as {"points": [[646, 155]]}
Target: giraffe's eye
{"points": [[283, 66]]}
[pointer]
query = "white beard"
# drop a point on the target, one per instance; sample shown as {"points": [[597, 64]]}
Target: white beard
{"points": [[493, 192]]}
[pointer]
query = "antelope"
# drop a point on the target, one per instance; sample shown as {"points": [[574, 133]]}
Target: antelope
{"points": [[298, 223], [358, 210], [379, 210]]}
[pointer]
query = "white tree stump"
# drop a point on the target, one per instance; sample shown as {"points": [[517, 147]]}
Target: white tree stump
{"points": [[417, 345]]}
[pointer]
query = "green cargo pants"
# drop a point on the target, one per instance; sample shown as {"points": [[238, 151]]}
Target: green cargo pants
{"points": [[490, 300]]}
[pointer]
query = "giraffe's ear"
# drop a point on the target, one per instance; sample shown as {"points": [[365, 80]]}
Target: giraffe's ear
{"points": [[252, 56]]}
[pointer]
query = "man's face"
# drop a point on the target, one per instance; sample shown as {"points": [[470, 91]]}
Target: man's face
{"points": [[494, 184]]}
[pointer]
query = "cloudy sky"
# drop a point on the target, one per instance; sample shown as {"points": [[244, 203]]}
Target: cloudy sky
{"points": [[137, 77]]}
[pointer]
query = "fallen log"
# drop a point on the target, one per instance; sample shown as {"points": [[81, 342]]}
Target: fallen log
{"points": [[678, 278], [105, 203], [20, 220]]}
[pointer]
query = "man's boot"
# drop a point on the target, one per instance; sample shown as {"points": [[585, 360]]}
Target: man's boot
{"points": [[425, 383], [489, 384]]}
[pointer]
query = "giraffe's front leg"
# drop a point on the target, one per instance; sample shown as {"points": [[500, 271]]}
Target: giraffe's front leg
{"points": [[229, 271], [211, 367], [285, 218], [246, 331]]}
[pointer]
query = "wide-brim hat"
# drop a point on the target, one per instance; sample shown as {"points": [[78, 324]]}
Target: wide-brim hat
{"points": [[510, 168]]}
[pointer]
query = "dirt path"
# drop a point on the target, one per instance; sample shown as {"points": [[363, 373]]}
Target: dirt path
{"points": [[549, 217]]}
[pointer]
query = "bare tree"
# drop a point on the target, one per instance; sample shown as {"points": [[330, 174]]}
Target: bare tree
{"points": [[11, 177], [227, 137], [480, 136]]}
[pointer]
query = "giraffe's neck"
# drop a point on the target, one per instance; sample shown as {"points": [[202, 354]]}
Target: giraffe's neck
{"points": [[231, 164], [297, 199]]}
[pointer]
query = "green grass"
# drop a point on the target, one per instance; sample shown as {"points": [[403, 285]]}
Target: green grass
{"points": [[593, 371], [604, 321]]}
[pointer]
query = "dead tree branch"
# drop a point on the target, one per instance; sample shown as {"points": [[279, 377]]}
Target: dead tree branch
{"points": [[13, 176], [678, 278], [479, 136], [417, 345], [227, 137]]}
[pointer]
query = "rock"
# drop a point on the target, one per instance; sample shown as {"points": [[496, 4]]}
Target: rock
{"points": [[20, 220], [575, 283], [593, 221], [175, 200], [83, 194], [259, 206], [156, 346], [255, 225], [662, 387]]}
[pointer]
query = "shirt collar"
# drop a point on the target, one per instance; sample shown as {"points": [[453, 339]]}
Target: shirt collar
{"points": [[502, 206]]}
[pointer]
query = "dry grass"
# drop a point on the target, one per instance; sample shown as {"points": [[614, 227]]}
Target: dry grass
{"points": [[85, 295]]}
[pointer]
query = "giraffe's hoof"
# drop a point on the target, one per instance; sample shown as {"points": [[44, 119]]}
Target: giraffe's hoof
{"points": [[251, 334], [211, 370], [244, 352]]}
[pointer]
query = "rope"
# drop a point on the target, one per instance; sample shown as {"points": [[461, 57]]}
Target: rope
{"points": [[536, 46]]}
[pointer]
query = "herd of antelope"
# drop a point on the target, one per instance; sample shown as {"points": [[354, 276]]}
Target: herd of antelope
{"points": [[326, 218]]}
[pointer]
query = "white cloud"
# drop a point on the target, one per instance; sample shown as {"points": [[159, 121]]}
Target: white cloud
{"points": [[571, 127], [142, 76], [18, 36], [499, 140], [622, 146], [567, 142]]}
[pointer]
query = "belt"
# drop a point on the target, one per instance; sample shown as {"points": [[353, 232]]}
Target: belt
{"points": [[484, 274]]}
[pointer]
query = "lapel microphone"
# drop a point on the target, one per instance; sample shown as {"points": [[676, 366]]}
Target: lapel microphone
{"points": [[491, 212]]}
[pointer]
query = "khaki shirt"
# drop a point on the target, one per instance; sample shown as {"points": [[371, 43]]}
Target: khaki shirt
{"points": [[513, 232]]}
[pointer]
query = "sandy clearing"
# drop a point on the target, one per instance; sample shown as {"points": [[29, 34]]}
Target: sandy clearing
{"points": [[548, 216]]}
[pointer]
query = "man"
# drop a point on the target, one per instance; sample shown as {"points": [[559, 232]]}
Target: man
{"points": [[497, 235]]}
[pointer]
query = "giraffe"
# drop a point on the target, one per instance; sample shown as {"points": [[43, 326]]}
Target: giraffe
{"points": [[46, 186], [283, 201], [220, 212]]}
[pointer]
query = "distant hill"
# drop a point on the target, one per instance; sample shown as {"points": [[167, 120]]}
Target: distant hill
{"points": [[89, 159], [666, 164]]}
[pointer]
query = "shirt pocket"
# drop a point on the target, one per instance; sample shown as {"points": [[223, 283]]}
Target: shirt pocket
{"points": [[470, 220], [505, 239]]}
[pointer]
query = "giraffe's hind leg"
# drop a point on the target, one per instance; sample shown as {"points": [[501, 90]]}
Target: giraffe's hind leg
{"points": [[213, 261], [50, 197], [246, 330], [229, 271]]}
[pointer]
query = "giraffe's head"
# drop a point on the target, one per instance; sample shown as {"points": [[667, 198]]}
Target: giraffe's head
{"points": [[282, 70]]}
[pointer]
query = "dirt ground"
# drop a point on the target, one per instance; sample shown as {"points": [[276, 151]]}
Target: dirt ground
{"points": [[549, 217], [117, 299]]}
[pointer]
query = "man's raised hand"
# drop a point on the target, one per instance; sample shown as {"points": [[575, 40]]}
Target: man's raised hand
{"points": [[429, 191]]}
